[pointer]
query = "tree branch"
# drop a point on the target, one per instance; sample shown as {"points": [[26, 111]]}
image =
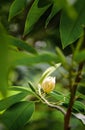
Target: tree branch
{"points": [[72, 98]]}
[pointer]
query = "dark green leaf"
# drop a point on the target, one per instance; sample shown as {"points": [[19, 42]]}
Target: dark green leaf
{"points": [[15, 117], [16, 7], [19, 89], [57, 96], [80, 95], [8, 101], [20, 44], [71, 29], [42, 3], [79, 106], [33, 16]]}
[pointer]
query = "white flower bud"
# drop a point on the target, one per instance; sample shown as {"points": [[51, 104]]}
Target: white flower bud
{"points": [[48, 84]]}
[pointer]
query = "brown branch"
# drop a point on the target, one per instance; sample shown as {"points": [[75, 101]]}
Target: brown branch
{"points": [[72, 98]]}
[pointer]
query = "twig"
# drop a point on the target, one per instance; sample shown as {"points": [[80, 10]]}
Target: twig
{"points": [[49, 104]]}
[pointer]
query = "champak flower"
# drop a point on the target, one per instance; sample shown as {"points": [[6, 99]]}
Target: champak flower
{"points": [[48, 84]]}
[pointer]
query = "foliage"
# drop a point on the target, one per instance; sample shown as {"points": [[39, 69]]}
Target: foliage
{"points": [[39, 33]]}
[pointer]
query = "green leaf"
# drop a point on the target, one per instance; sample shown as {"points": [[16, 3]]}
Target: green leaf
{"points": [[49, 71], [79, 106], [57, 96], [71, 29], [20, 44], [33, 16], [15, 117], [54, 11], [8, 101], [16, 7], [19, 89], [20, 58]]}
